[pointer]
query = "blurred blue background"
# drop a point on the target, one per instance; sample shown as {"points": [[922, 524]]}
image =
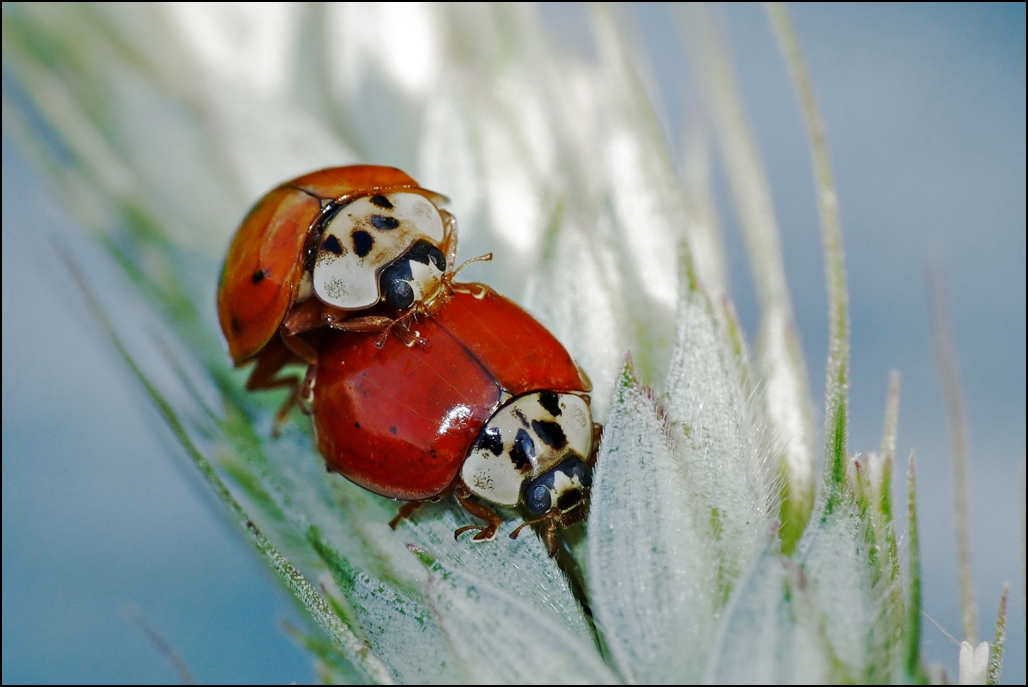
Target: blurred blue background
{"points": [[925, 113]]}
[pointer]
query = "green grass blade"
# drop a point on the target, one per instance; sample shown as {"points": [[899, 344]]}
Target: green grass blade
{"points": [[956, 416], [913, 668], [996, 655], [838, 323]]}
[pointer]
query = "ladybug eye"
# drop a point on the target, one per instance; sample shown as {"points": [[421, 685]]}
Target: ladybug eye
{"points": [[537, 499]]}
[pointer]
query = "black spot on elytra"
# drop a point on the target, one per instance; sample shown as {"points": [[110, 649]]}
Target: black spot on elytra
{"points": [[236, 326], [381, 201], [357, 425], [550, 402], [383, 223], [393, 429], [332, 245], [551, 433], [523, 450], [362, 242], [491, 441], [258, 277]]}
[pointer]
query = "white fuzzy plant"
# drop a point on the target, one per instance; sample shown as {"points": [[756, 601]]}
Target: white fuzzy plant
{"points": [[711, 552]]}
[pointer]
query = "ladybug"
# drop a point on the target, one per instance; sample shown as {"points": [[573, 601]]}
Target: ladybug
{"points": [[322, 248], [491, 409]]}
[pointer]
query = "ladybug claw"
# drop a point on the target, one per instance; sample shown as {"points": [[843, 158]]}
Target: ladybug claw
{"points": [[484, 533]]}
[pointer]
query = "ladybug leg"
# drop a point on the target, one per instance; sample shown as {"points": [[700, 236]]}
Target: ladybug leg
{"points": [[405, 512], [480, 511], [305, 393], [404, 321], [264, 377], [303, 350], [369, 323], [303, 318], [550, 537], [449, 244]]}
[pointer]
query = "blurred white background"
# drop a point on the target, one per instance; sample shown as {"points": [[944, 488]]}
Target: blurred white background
{"points": [[925, 115]]}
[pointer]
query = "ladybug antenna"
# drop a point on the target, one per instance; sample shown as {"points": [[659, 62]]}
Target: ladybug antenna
{"points": [[481, 258], [548, 517], [447, 282]]}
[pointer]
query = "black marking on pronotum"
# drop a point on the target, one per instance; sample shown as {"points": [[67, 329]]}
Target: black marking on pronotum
{"points": [[551, 433], [362, 242], [332, 245], [569, 499], [550, 402], [381, 201], [236, 327], [575, 468], [395, 284], [491, 440], [523, 450], [521, 416], [258, 276], [383, 223], [424, 252]]}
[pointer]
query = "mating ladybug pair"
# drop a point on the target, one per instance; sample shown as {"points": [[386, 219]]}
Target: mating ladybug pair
{"points": [[419, 386]]}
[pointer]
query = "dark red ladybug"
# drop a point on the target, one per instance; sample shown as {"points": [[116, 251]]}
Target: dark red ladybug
{"points": [[490, 407]]}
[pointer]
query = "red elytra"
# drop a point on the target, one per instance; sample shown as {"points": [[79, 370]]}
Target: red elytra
{"points": [[399, 420]]}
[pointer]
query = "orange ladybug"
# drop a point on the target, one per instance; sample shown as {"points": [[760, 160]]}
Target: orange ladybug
{"points": [[326, 249]]}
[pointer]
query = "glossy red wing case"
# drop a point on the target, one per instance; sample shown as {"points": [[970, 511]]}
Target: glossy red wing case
{"points": [[399, 420]]}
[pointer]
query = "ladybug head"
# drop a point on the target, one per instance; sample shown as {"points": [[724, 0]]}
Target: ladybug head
{"points": [[413, 278], [558, 498]]}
